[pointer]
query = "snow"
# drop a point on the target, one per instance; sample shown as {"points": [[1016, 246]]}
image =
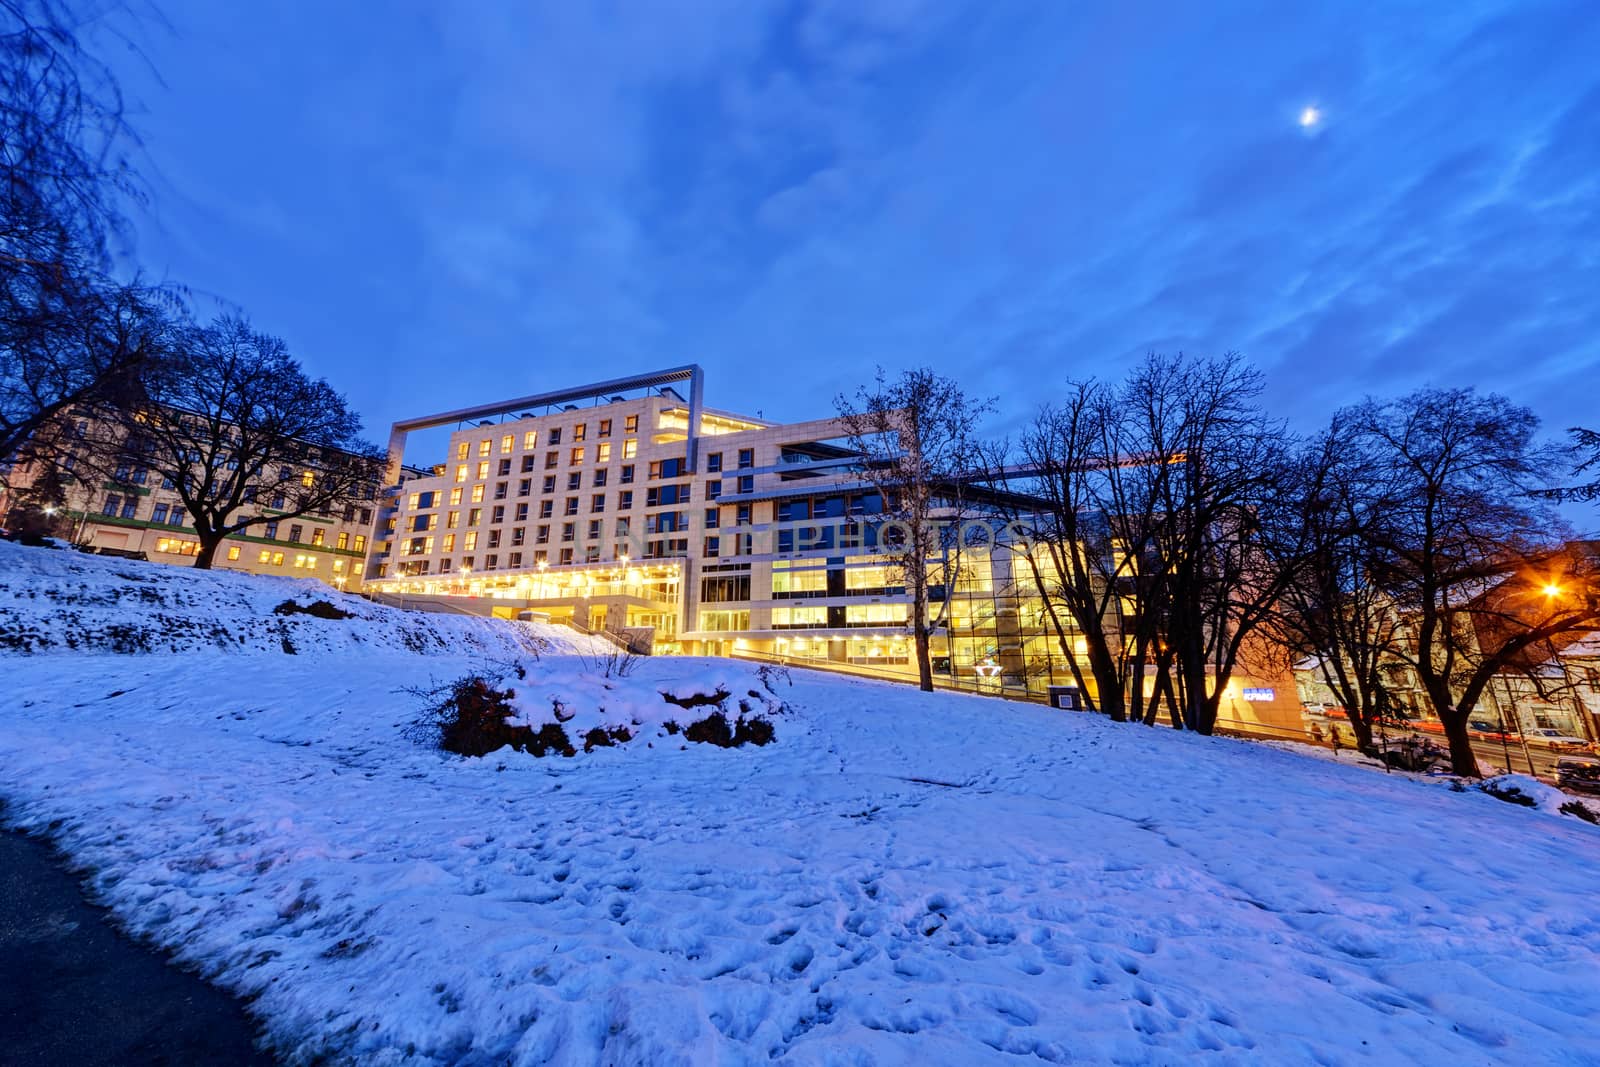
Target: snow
{"points": [[899, 878]]}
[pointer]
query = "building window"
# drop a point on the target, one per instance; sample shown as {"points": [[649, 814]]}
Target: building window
{"points": [[518, 534], [504, 469], [603, 452], [554, 437], [474, 516], [713, 462], [527, 464], [627, 473], [630, 448], [571, 506], [233, 551], [747, 483], [747, 458], [360, 544], [455, 496], [713, 516], [529, 440], [569, 531], [477, 494], [452, 519], [449, 542], [551, 459], [461, 473], [597, 502], [624, 526], [525, 487], [710, 547], [549, 483], [605, 427], [541, 536], [130, 506], [667, 468], [522, 512], [577, 456], [575, 480], [580, 431], [270, 531], [461, 450], [714, 489], [491, 561], [317, 535], [494, 538], [344, 540], [546, 508], [295, 531], [483, 470], [595, 529], [600, 477], [498, 514], [566, 556], [469, 540], [506, 442], [630, 424], [159, 514], [500, 490], [625, 500]]}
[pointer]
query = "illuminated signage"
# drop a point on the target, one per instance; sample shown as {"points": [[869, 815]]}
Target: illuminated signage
{"points": [[1259, 696]]}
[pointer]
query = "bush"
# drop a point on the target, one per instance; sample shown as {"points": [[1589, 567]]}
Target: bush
{"points": [[714, 729], [468, 717], [320, 609]]}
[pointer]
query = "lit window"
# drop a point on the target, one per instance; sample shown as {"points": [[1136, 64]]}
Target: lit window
{"points": [[630, 424], [603, 453], [317, 535], [344, 539], [580, 431], [461, 473], [470, 541], [361, 542], [461, 450], [577, 456], [630, 448], [265, 557], [455, 497], [483, 469], [506, 442], [530, 439], [605, 427], [233, 551], [483, 447], [308, 479], [449, 542]]}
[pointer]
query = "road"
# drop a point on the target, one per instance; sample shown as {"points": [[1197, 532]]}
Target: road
{"points": [[76, 991]]}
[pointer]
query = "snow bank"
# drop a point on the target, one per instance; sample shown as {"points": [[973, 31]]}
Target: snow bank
{"points": [[58, 600], [1529, 792], [926, 878]]}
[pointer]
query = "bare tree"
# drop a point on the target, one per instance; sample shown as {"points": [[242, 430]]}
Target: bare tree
{"points": [[917, 436], [1216, 462], [1585, 449], [246, 438], [1332, 609], [70, 336], [1061, 490], [1474, 561]]}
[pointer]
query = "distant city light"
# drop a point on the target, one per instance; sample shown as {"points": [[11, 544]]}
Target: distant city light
{"points": [[1310, 116]]}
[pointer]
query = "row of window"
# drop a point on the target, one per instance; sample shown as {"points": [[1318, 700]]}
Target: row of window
{"points": [[530, 438], [655, 496]]}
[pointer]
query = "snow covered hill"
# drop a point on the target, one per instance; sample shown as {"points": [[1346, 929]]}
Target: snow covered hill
{"points": [[56, 599], [899, 879]]}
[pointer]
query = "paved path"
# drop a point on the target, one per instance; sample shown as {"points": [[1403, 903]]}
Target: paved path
{"points": [[75, 991]]}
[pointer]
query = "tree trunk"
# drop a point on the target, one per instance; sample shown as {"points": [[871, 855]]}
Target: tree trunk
{"points": [[1106, 678], [1463, 760], [207, 556], [919, 636]]}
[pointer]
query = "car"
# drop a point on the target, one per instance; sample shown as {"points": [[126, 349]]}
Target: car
{"points": [[1484, 730], [1578, 774], [1558, 741]]}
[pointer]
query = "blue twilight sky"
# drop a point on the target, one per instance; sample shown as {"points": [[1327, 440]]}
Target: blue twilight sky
{"points": [[440, 204]]}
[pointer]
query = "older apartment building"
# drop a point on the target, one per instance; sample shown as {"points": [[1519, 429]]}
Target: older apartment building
{"points": [[629, 505], [130, 510]]}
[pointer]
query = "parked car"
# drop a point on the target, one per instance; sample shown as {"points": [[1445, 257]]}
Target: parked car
{"points": [[1558, 741], [1578, 774], [1484, 730]]}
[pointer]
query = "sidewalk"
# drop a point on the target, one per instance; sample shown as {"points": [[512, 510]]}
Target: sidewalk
{"points": [[76, 991]]}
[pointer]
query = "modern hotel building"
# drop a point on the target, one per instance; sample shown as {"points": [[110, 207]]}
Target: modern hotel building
{"points": [[628, 505]]}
